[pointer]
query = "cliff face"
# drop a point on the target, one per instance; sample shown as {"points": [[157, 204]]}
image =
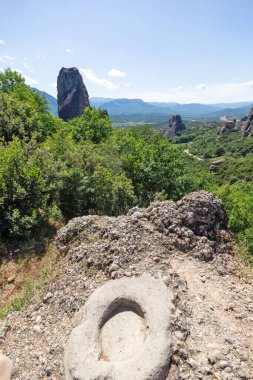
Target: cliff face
{"points": [[247, 129], [72, 94], [176, 126]]}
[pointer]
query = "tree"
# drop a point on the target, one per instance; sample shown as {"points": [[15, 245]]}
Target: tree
{"points": [[93, 125], [22, 111], [9, 80], [22, 190]]}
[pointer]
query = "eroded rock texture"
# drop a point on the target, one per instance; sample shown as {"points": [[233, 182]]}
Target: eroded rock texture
{"points": [[227, 127], [71, 94], [247, 129], [176, 126]]}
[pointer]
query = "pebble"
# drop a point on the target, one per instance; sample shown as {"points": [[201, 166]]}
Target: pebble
{"points": [[37, 328], [224, 364]]}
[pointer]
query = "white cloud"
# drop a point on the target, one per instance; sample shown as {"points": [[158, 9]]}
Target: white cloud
{"points": [[201, 86], [41, 56], [54, 84], [26, 65], [127, 85], [69, 51], [249, 84], [92, 77], [7, 58], [214, 93], [2, 42], [30, 81], [116, 73]]}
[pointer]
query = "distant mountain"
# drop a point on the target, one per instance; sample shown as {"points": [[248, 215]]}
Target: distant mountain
{"points": [[98, 102], [136, 110], [132, 106], [53, 105], [229, 112], [234, 105]]}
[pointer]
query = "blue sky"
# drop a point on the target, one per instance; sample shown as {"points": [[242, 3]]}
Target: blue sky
{"points": [[157, 50]]}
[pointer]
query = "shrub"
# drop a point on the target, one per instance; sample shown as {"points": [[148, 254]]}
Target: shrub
{"points": [[22, 190]]}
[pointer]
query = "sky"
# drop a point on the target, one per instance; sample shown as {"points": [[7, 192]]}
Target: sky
{"points": [[182, 51]]}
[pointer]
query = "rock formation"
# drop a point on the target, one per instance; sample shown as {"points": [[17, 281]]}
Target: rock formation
{"points": [[72, 94], [214, 167], [123, 332], [227, 127], [186, 246], [176, 126], [247, 129]]}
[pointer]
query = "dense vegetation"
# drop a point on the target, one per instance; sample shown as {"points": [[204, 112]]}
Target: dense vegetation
{"points": [[234, 177], [51, 171]]}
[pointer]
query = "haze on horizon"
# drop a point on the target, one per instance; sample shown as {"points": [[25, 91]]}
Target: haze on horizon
{"points": [[182, 51]]}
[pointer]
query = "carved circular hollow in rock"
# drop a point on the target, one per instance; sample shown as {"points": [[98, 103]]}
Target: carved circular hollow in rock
{"points": [[122, 336], [123, 333]]}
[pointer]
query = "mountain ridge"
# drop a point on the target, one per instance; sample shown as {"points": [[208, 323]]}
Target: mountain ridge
{"points": [[137, 110]]}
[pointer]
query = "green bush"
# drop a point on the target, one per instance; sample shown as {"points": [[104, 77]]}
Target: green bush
{"points": [[22, 190], [238, 201], [93, 125], [22, 111]]}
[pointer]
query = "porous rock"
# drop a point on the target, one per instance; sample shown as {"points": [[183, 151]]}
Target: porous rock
{"points": [[124, 332]]}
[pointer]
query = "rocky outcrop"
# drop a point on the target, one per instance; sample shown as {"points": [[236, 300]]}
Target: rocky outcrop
{"points": [[175, 128], [214, 167], [227, 127], [247, 128], [72, 95], [187, 246]]}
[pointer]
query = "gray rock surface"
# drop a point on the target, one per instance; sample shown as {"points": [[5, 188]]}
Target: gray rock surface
{"points": [[228, 126], [72, 95], [175, 127], [5, 367], [124, 332], [247, 128]]}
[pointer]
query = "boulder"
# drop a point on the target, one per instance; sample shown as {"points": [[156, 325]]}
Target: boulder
{"points": [[215, 165], [123, 332], [72, 95], [176, 126]]}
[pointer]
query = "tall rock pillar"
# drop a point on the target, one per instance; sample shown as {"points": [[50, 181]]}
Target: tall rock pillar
{"points": [[72, 94]]}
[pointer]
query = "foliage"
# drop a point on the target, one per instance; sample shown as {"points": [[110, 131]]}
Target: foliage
{"points": [[9, 80], [93, 125], [22, 111], [53, 170], [22, 190], [238, 201], [204, 141], [234, 175]]}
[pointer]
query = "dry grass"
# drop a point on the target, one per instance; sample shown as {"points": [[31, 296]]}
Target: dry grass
{"points": [[244, 262], [24, 277]]}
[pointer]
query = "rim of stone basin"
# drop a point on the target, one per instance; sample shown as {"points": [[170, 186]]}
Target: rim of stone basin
{"points": [[148, 302]]}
